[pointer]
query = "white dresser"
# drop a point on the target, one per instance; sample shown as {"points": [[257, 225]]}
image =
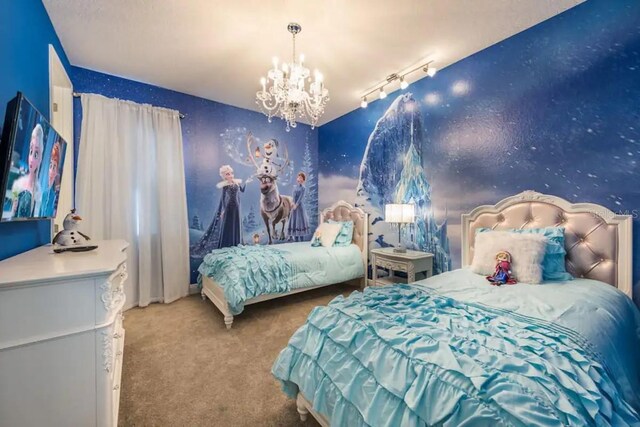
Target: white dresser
{"points": [[61, 336]]}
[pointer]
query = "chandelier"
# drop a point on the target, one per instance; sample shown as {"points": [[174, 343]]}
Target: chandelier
{"points": [[284, 91]]}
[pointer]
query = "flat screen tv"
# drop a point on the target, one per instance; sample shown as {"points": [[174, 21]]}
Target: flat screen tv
{"points": [[31, 160]]}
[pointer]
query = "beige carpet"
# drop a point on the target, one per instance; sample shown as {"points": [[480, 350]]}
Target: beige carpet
{"points": [[183, 368]]}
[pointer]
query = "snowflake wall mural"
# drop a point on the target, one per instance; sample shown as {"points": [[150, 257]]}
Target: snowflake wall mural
{"points": [[552, 109]]}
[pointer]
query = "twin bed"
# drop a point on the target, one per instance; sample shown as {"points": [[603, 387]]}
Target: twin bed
{"points": [[236, 277], [452, 350]]}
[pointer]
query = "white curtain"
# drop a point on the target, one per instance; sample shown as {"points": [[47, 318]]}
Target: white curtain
{"points": [[130, 185]]}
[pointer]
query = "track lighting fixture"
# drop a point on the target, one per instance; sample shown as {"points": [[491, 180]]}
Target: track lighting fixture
{"points": [[401, 77]]}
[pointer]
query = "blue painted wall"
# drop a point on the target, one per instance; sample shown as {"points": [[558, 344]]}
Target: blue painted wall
{"points": [[25, 35], [214, 134], [554, 109]]}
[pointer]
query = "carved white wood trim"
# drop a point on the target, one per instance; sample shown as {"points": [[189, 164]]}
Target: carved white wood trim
{"points": [[107, 351], [112, 288]]}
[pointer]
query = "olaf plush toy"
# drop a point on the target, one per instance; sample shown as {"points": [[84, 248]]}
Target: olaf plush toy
{"points": [[70, 238]]}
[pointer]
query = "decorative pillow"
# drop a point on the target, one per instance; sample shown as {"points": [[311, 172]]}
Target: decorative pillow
{"points": [[325, 235], [553, 267], [346, 232], [527, 252]]}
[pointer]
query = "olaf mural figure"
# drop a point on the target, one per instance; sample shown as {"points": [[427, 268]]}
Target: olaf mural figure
{"points": [[274, 207], [224, 230]]}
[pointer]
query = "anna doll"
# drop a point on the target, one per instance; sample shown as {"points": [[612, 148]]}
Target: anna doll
{"points": [[503, 274]]}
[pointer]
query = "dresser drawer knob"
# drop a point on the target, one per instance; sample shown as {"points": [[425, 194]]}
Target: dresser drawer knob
{"points": [[116, 387], [117, 336], [119, 353]]}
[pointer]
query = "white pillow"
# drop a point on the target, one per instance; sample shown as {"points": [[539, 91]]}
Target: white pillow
{"points": [[527, 252], [327, 234]]}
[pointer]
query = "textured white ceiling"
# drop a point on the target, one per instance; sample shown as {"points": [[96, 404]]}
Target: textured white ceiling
{"points": [[219, 49]]}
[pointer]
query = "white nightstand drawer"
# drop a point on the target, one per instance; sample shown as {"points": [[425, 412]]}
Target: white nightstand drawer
{"points": [[392, 265], [410, 263]]}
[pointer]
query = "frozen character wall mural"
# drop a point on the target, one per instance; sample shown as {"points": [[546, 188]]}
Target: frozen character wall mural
{"points": [[263, 203], [213, 135], [298, 221], [26, 189], [224, 230], [274, 207]]}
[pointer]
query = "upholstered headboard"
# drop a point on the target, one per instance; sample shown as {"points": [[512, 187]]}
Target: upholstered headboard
{"points": [[343, 211], [598, 241]]}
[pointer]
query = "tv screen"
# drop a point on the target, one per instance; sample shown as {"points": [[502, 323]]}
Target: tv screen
{"points": [[31, 160]]}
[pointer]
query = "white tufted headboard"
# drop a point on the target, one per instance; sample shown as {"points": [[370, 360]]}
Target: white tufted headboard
{"points": [[343, 211], [598, 241]]}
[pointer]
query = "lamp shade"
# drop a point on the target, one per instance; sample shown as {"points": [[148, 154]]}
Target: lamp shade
{"points": [[399, 213]]}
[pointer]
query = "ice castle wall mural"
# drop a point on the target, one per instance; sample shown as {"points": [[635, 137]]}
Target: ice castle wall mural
{"points": [[552, 109], [217, 135], [391, 172]]}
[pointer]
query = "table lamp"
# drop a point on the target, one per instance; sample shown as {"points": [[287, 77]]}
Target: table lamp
{"points": [[400, 214]]}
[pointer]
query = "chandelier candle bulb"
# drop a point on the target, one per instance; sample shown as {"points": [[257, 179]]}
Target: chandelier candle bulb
{"points": [[364, 102], [383, 94], [431, 71], [403, 83]]}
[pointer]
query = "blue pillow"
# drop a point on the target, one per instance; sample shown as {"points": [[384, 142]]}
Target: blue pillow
{"points": [[553, 262], [345, 236]]}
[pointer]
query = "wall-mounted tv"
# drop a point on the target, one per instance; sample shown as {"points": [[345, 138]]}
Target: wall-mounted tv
{"points": [[31, 161]]}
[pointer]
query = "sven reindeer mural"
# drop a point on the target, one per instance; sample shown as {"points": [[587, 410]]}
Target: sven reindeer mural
{"points": [[274, 207]]}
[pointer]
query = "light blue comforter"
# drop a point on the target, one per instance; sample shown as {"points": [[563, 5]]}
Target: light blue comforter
{"points": [[452, 350], [246, 272]]}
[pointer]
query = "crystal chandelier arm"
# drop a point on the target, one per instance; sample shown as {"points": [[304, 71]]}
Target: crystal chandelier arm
{"points": [[264, 102]]}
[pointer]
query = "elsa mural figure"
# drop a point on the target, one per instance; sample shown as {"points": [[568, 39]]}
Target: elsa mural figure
{"points": [[26, 189], [225, 229], [298, 221]]}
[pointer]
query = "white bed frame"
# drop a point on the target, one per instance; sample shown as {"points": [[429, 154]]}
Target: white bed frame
{"points": [[339, 211], [590, 229]]}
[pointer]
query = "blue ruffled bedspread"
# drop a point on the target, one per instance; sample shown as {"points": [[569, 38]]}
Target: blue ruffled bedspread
{"points": [[246, 272], [407, 356]]}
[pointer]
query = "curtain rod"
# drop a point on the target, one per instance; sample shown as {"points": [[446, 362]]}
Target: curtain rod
{"points": [[77, 95]]}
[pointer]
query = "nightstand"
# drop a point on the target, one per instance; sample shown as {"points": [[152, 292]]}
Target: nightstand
{"points": [[411, 263]]}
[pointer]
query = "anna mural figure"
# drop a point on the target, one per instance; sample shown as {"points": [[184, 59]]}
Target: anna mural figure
{"points": [[50, 196], [298, 221], [225, 229], [26, 189]]}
